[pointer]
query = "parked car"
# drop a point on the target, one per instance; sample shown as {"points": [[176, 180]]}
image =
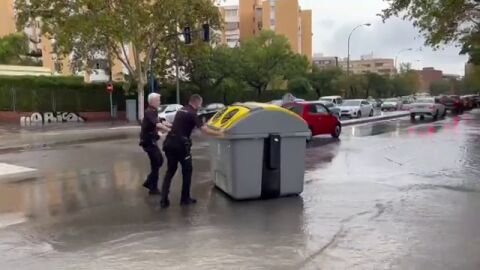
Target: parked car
{"points": [[375, 103], [337, 100], [318, 117], [356, 108], [391, 104], [476, 98], [452, 103], [468, 102], [280, 102], [331, 107], [407, 102], [427, 106], [211, 109], [168, 111]]}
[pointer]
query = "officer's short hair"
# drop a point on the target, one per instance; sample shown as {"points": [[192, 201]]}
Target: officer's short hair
{"points": [[195, 98], [152, 97]]}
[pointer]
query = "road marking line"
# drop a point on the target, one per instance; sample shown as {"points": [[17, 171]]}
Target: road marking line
{"points": [[9, 170], [10, 219]]}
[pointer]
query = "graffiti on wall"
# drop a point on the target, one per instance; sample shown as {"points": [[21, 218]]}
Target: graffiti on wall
{"points": [[50, 117]]}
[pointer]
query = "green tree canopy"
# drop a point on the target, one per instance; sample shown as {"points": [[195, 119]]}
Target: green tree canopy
{"points": [[326, 82], [299, 86], [442, 21], [267, 57], [118, 28], [14, 50], [440, 88]]}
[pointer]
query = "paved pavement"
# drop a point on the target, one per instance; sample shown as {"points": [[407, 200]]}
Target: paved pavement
{"points": [[390, 195]]}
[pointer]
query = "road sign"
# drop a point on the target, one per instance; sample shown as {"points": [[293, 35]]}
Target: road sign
{"points": [[109, 88]]}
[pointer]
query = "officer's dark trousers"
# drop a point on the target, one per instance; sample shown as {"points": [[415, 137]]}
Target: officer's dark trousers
{"points": [[177, 150], [156, 161]]}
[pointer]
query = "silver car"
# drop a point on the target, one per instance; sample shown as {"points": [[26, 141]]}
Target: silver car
{"points": [[331, 107]]}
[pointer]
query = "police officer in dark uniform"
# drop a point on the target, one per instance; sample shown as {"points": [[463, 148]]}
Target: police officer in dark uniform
{"points": [[177, 148], [148, 141]]}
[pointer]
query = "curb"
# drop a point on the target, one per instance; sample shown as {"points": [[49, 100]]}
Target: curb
{"points": [[370, 120]]}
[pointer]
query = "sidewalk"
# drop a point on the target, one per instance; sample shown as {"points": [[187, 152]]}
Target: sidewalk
{"points": [[17, 138]]}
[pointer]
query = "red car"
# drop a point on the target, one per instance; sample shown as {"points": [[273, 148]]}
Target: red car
{"points": [[318, 117], [453, 103]]}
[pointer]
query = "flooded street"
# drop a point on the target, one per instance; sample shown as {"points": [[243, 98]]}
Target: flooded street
{"points": [[387, 195]]}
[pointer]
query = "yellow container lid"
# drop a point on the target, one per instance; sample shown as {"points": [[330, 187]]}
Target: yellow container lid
{"points": [[231, 115]]}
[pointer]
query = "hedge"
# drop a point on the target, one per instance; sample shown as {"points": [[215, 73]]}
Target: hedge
{"points": [[28, 93]]}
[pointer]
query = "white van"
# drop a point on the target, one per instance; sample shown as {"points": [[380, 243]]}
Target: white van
{"points": [[337, 100]]}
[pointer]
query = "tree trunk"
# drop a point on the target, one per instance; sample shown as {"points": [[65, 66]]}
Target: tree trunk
{"points": [[141, 103]]}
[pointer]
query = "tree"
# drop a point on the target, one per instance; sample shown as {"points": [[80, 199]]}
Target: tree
{"points": [[14, 50], [375, 85], [442, 21], [265, 58], [127, 30], [326, 82], [299, 86], [440, 87], [208, 67], [472, 79]]}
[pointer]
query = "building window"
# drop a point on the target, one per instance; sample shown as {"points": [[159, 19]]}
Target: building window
{"points": [[232, 26], [379, 64], [231, 12]]}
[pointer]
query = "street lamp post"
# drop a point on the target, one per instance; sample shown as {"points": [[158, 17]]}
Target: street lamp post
{"points": [[348, 53], [398, 53]]}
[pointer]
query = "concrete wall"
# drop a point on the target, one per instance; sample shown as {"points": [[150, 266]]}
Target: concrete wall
{"points": [[7, 17], [266, 16], [286, 21], [14, 117], [10, 70], [247, 15], [307, 33]]}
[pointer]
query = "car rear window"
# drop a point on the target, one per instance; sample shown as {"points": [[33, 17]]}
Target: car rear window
{"points": [[425, 100], [296, 109]]}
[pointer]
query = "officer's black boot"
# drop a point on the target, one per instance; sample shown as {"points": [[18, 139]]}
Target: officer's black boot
{"points": [[164, 203]]}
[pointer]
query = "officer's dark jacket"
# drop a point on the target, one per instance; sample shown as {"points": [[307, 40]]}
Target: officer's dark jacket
{"points": [[149, 134]]}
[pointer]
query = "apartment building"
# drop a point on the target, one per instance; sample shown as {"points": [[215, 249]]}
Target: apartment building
{"points": [[42, 46], [382, 66], [428, 75], [7, 17], [325, 62], [282, 16], [231, 30]]}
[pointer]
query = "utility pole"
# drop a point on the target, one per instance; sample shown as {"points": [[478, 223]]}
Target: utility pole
{"points": [[177, 79], [348, 46]]}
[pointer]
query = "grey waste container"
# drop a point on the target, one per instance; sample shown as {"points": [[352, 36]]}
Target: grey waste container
{"points": [[262, 153]]}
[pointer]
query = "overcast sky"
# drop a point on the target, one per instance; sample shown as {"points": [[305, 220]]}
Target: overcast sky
{"points": [[334, 19]]}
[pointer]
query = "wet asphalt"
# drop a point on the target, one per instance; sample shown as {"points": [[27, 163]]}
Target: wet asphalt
{"points": [[389, 195]]}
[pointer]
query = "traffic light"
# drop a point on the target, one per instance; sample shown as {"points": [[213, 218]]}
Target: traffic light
{"points": [[187, 35], [206, 32]]}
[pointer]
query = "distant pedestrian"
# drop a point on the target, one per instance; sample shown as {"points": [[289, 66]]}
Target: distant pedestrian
{"points": [[177, 147], [148, 141]]}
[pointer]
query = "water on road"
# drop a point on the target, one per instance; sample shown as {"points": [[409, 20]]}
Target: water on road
{"points": [[389, 195]]}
